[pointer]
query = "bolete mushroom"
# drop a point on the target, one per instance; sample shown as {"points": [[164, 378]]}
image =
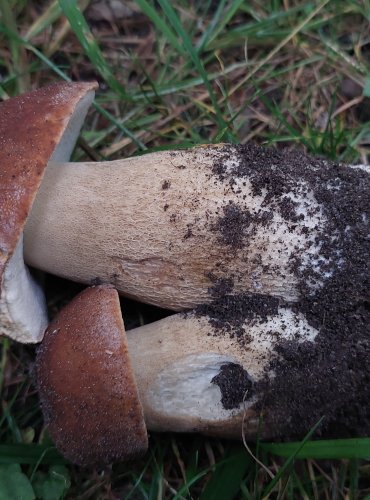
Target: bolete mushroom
{"points": [[176, 228], [160, 226], [86, 383], [240, 366], [252, 359], [34, 128], [168, 227], [189, 378]]}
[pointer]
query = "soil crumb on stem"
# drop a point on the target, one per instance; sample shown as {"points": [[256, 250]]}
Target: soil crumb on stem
{"points": [[235, 385]]}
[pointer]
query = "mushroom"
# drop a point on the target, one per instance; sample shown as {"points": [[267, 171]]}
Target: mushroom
{"points": [[174, 228], [86, 383], [189, 377], [34, 128]]}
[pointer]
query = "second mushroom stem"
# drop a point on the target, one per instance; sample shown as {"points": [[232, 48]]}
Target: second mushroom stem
{"points": [[194, 376]]}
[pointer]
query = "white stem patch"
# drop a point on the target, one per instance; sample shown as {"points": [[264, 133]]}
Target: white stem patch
{"points": [[184, 389], [23, 315]]}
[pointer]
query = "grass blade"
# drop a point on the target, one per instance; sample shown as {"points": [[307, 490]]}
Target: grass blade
{"points": [[211, 28], [89, 44], [162, 27], [233, 9], [279, 46], [120, 126], [225, 481], [323, 449], [175, 21], [48, 17], [17, 61], [288, 463], [60, 73]]}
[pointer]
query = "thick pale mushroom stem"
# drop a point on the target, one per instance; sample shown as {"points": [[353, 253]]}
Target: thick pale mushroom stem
{"points": [[194, 378], [165, 227]]}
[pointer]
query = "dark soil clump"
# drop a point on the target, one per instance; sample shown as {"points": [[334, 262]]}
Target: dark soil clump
{"points": [[232, 225], [329, 377], [221, 286], [228, 313], [235, 385]]}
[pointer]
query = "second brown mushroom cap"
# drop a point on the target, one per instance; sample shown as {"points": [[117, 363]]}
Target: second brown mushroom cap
{"points": [[86, 382]]}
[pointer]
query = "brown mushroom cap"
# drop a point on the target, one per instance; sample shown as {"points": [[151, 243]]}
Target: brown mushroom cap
{"points": [[34, 128], [86, 384]]}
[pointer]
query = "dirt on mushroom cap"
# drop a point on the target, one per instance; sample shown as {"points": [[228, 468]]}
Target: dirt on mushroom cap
{"points": [[329, 377]]}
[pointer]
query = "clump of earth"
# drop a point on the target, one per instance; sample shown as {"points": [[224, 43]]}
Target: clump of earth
{"points": [[330, 376]]}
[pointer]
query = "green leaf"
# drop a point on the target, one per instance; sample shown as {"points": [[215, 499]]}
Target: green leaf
{"points": [[54, 485], [225, 481], [14, 485], [30, 454]]}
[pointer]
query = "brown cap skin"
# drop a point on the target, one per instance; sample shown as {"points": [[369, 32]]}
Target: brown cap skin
{"points": [[86, 384], [31, 126]]}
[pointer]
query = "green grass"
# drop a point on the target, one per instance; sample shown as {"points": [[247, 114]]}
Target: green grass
{"points": [[283, 73]]}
